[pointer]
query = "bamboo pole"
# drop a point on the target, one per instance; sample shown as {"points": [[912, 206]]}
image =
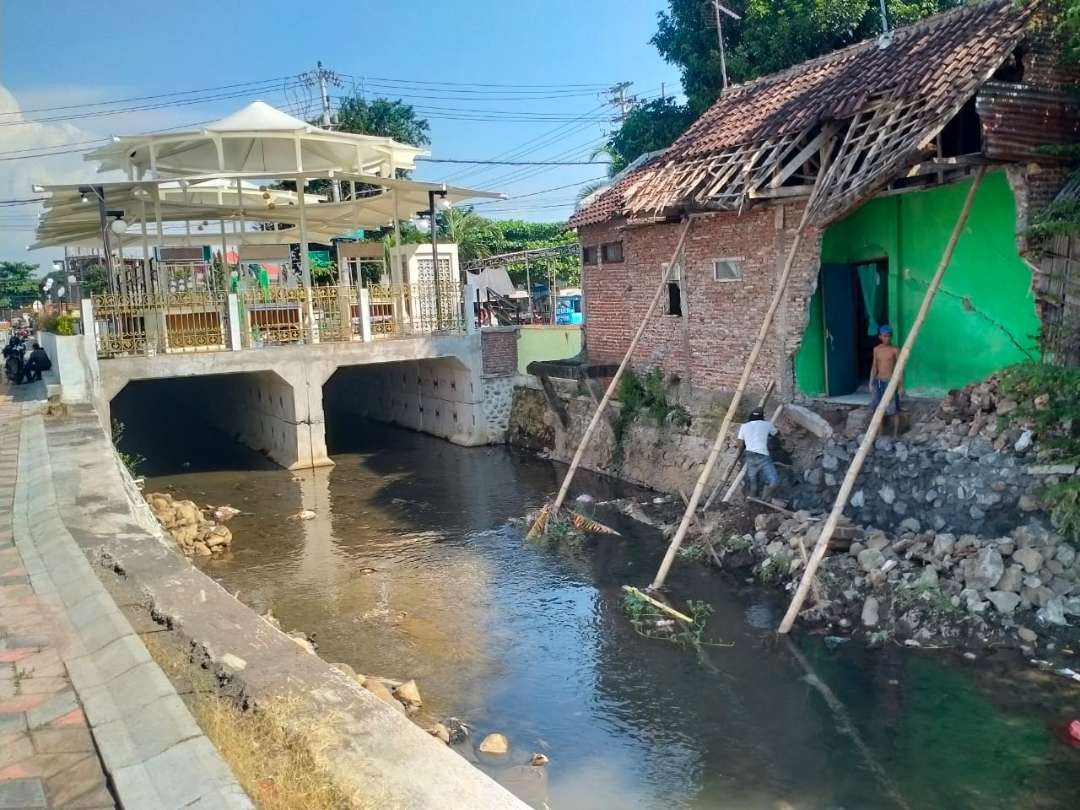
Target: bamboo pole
{"points": [[657, 603], [612, 386], [733, 408], [879, 413]]}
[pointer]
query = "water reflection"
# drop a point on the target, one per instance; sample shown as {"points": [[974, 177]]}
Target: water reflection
{"points": [[409, 570]]}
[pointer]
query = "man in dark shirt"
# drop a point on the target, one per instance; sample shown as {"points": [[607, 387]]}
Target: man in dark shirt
{"points": [[38, 362]]}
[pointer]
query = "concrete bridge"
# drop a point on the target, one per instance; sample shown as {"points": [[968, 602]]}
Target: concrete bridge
{"points": [[455, 384]]}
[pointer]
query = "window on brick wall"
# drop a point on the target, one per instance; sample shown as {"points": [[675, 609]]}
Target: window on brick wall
{"points": [[611, 252], [588, 254], [674, 288], [726, 269]]}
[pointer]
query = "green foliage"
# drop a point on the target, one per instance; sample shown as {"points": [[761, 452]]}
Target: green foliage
{"points": [[652, 126], [651, 622], [1048, 398], [132, 461], [18, 284], [381, 116], [644, 394], [95, 280], [63, 323], [772, 35], [1069, 26], [1060, 218]]}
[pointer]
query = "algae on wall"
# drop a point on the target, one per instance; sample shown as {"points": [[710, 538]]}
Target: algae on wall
{"points": [[983, 318]]}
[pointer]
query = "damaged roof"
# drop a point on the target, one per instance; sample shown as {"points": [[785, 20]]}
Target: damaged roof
{"points": [[878, 103]]}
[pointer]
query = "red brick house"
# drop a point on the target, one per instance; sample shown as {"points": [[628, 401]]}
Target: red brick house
{"points": [[878, 140]]}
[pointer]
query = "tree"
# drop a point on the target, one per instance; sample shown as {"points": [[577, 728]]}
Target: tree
{"points": [[18, 284], [474, 235], [647, 128], [771, 36], [381, 116]]}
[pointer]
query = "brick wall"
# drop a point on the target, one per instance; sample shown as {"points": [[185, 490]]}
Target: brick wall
{"points": [[499, 348], [708, 345]]}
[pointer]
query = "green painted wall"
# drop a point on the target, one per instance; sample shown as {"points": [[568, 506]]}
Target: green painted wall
{"points": [[547, 343], [983, 317]]}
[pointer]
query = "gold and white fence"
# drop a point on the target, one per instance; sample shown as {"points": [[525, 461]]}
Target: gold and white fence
{"points": [[211, 320]]}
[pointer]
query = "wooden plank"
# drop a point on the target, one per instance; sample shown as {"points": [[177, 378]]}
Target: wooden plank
{"points": [[554, 402]]}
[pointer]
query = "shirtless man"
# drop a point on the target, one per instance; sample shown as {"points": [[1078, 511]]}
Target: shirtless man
{"points": [[885, 355]]}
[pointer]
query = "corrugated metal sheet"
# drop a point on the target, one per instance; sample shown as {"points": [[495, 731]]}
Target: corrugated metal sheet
{"points": [[1017, 119]]}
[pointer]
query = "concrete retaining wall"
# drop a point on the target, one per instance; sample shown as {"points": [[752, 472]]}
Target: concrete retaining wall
{"points": [[69, 366], [372, 751]]}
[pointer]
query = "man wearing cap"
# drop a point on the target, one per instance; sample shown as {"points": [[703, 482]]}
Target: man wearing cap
{"points": [[881, 371], [761, 476]]}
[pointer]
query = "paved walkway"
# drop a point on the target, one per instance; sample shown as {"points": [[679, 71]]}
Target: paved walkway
{"points": [[47, 754]]}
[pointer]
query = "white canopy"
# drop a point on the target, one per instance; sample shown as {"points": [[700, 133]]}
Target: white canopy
{"points": [[68, 220], [257, 139]]}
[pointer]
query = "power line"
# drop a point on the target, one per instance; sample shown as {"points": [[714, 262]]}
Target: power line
{"points": [[542, 191], [143, 98], [516, 162], [592, 85]]}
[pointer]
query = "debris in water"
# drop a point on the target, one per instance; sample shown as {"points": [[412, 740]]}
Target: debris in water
{"points": [[541, 759], [1071, 674], [585, 497], [832, 642], [303, 514]]}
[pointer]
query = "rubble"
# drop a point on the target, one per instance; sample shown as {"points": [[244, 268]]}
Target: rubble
{"points": [[196, 533]]}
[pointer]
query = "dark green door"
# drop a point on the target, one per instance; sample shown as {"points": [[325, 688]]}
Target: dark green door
{"points": [[838, 291]]}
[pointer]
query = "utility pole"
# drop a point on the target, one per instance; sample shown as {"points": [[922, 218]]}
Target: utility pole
{"points": [[621, 100], [884, 18], [717, 8], [324, 78]]}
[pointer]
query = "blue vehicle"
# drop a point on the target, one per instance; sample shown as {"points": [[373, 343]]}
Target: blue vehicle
{"points": [[568, 307]]}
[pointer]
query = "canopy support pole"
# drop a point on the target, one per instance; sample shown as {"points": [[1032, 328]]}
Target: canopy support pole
{"points": [[879, 413]]}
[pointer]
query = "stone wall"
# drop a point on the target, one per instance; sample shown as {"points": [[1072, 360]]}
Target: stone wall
{"points": [[499, 347], [666, 457]]}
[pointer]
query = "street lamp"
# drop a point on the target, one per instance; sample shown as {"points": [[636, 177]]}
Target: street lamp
{"points": [[103, 217], [442, 204]]}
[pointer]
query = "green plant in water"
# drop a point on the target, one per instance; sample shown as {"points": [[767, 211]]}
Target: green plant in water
{"points": [[131, 461], [644, 618]]}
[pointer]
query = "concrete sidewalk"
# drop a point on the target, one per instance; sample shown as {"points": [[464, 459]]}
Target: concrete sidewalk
{"points": [[87, 719]]}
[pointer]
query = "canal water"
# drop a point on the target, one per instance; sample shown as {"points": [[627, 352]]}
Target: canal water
{"points": [[410, 569]]}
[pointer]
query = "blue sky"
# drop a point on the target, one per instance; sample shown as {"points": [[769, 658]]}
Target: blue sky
{"points": [[65, 52]]}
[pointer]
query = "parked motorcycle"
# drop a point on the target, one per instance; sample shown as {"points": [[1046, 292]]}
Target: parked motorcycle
{"points": [[14, 360]]}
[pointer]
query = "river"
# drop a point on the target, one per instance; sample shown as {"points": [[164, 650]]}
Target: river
{"points": [[411, 570]]}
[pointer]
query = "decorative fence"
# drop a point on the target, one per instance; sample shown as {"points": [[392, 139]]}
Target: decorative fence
{"points": [[211, 320]]}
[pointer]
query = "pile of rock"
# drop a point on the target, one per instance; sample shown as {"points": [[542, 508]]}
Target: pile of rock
{"points": [[926, 585], [196, 532]]}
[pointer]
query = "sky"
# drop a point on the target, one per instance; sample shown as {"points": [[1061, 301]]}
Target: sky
{"points": [[496, 80]]}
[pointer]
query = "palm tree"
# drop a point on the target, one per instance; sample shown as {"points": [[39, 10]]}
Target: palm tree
{"points": [[469, 231]]}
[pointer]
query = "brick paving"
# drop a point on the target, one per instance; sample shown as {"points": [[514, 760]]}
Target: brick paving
{"points": [[47, 754]]}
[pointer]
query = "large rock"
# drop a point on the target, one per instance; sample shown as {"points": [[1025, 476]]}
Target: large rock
{"points": [[870, 612], [1005, 601], [871, 559], [409, 694], [807, 419], [943, 545], [1031, 559], [495, 744], [1053, 612], [1011, 580], [379, 690], [984, 569]]}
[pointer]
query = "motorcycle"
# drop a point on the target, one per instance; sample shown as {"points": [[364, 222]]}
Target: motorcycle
{"points": [[14, 361]]}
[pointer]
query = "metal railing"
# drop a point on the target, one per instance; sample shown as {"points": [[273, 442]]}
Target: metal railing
{"points": [[212, 320]]}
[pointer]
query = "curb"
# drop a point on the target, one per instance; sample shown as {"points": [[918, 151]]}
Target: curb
{"points": [[151, 747]]}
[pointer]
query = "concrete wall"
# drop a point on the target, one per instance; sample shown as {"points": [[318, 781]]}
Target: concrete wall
{"points": [[442, 397], [547, 343]]}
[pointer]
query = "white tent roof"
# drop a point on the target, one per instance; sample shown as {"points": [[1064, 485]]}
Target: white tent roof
{"points": [[257, 139], [67, 220]]}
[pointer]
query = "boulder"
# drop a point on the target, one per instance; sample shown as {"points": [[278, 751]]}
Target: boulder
{"points": [[459, 732], [379, 690], [441, 731], [494, 744], [1011, 580], [1027, 635], [943, 545], [808, 420], [983, 570], [1066, 555], [1031, 559], [871, 560], [409, 694], [870, 612], [887, 494], [1053, 612], [910, 525], [1006, 602]]}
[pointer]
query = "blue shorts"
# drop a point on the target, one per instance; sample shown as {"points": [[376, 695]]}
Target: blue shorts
{"points": [[878, 387]]}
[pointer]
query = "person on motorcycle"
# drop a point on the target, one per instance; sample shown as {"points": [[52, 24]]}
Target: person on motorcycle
{"points": [[13, 357]]}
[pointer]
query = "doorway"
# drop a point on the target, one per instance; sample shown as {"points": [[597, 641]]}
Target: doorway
{"points": [[855, 301]]}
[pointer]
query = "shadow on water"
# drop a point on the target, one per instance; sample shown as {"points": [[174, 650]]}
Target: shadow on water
{"points": [[410, 570]]}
